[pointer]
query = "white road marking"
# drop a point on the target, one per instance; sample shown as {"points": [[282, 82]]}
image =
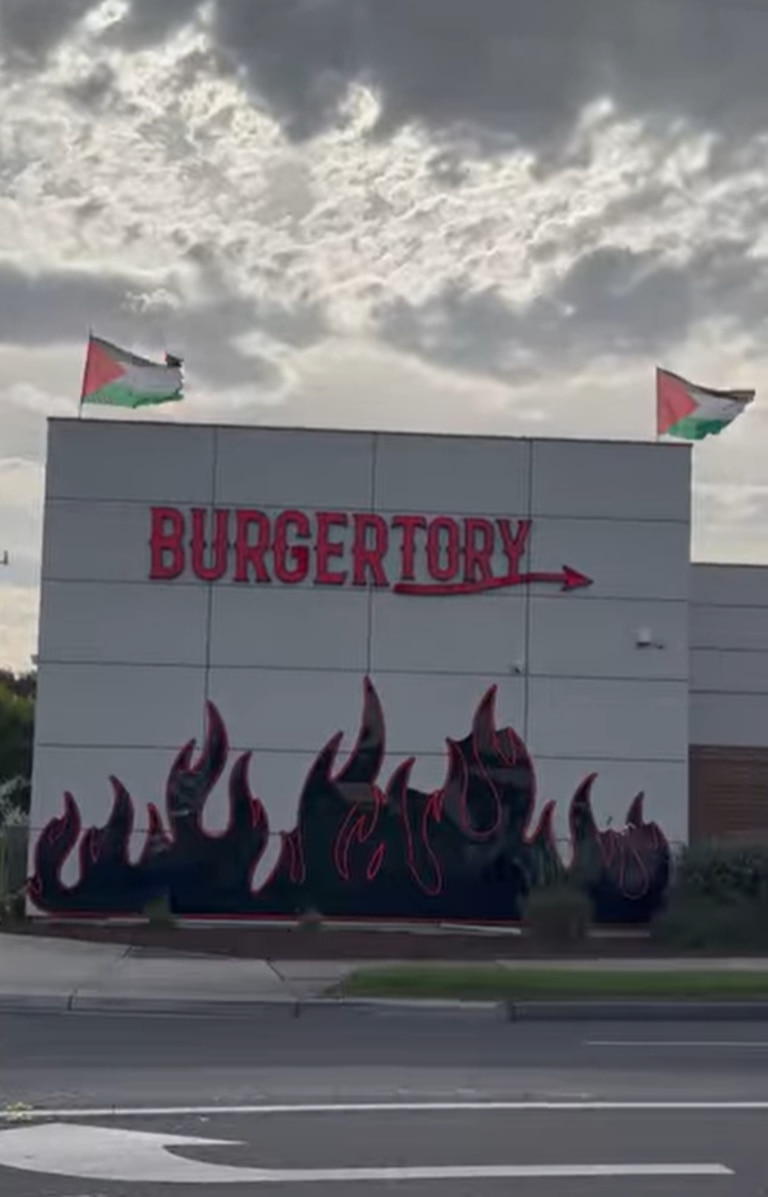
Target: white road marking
{"points": [[676, 1043], [11, 1114], [98, 1153]]}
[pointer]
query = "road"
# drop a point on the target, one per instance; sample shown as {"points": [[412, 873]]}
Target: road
{"points": [[121, 1094]]}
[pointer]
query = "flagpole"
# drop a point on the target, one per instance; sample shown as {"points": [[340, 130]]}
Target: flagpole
{"points": [[85, 374], [656, 405]]}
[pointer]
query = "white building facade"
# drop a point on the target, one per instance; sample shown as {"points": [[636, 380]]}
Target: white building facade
{"points": [[422, 674]]}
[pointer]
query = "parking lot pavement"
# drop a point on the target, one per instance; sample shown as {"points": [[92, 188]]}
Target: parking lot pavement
{"points": [[357, 1103], [365, 1152]]}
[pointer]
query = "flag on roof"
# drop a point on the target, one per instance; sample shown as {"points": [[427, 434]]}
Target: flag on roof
{"points": [[116, 378], [691, 412]]}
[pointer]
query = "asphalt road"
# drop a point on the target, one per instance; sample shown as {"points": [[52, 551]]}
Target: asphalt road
{"points": [[79, 1068]]}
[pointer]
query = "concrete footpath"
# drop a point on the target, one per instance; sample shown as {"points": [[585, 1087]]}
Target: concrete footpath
{"points": [[75, 975], [60, 974]]}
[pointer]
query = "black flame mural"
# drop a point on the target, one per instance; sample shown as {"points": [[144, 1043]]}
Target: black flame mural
{"points": [[467, 851]]}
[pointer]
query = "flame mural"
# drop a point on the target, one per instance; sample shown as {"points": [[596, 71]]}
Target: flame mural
{"points": [[467, 851]]}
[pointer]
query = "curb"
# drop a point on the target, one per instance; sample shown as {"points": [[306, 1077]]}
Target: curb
{"points": [[294, 1006], [73, 1003], [636, 1011]]}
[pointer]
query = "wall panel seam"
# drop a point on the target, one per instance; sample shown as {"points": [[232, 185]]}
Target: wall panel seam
{"points": [[555, 517]]}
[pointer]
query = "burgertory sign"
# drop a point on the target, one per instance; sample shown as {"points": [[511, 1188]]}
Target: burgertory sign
{"points": [[342, 548]]}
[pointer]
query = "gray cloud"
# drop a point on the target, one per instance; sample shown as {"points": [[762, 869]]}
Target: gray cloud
{"points": [[494, 72], [30, 29], [150, 21], [95, 89], [488, 74], [57, 305], [610, 301], [36, 309]]}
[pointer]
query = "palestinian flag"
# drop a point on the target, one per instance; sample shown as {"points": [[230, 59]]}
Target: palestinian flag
{"points": [[693, 412], [116, 378]]}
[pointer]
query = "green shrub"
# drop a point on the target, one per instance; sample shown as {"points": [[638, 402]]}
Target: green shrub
{"points": [[692, 922], [723, 871], [558, 915], [310, 921], [158, 912], [13, 873], [718, 900]]}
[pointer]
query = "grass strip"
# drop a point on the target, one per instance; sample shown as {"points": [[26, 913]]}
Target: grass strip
{"points": [[493, 982]]}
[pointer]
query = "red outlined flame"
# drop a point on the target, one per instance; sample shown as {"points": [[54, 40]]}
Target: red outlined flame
{"points": [[190, 784], [365, 834], [490, 788], [624, 854]]}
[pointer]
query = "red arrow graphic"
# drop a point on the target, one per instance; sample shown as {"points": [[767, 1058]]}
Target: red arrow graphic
{"points": [[569, 579]]}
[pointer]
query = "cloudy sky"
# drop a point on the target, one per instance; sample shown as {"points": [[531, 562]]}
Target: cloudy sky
{"points": [[470, 215]]}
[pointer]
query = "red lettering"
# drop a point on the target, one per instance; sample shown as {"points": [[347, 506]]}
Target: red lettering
{"points": [[164, 540], [210, 573], [283, 551], [367, 557], [409, 524], [514, 546], [250, 556], [477, 557], [446, 530], [326, 549]]}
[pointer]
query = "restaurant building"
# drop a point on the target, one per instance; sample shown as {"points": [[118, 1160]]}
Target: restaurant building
{"points": [[381, 675]]}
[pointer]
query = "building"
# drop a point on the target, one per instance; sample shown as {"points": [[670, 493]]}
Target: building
{"points": [[380, 675]]}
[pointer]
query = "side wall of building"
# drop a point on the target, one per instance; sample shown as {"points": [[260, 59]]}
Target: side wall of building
{"points": [[127, 665], [729, 700]]}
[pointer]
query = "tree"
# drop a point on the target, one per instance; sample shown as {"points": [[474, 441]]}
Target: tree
{"points": [[23, 685], [17, 716]]}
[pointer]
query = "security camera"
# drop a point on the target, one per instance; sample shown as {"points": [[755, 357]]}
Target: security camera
{"points": [[644, 638]]}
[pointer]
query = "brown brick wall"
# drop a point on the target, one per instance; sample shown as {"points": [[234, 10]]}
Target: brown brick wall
{"points": [[728, 792]]}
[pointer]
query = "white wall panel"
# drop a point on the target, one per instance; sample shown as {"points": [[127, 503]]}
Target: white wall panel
{"points": [[262, 467], [665, 785], [591, 719], [730, 720], [129, 624], [97, 542], [440, 474], [106, 459], [623, 481], [571, 637], [143, 771], [624, 559], [729, 585], [132, 705], [286, 710], [289, 627], [729, 672], [744, 628], [422, 710], [449, 635], [729, 655]]}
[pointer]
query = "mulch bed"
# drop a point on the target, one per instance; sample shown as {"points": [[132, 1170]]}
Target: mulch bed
{"points": [[353, 943]]}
